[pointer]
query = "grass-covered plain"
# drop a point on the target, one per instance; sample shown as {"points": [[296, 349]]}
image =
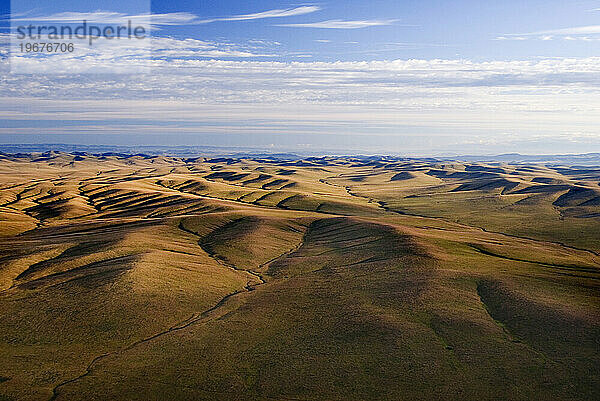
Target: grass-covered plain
{"points": [[335, 278]]}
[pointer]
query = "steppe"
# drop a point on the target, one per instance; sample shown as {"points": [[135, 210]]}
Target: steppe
{"points": [[134, 277]]}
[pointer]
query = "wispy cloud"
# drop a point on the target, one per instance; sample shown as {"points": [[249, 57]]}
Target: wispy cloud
{"points": [[511, 37], [180, 18], [110, 17], [571, 33], [288, 12], [192, 48], [177, 18], [578, 30], [341, 24], [125, 56]]}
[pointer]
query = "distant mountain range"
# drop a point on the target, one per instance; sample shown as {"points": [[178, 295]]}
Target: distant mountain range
{"points": [[587, 159]]}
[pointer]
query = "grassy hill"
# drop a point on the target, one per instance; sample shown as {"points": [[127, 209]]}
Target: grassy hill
{"points": [[334, 278]]}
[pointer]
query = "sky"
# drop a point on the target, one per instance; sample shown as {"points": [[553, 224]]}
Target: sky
{"points": [[385, 76]]}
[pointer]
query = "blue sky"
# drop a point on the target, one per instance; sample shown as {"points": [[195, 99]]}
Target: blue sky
{"points": [[415, 29], [402, 29], [415, 77]]}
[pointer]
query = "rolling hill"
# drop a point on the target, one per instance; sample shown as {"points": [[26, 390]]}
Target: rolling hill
{"points": [[136, 277]]}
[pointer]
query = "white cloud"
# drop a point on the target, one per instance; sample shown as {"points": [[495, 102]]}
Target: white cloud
{"points": [[189, 94], [110, 17], [124, 56], [96, 16], [177, 18], [578, 30], [572, 33], [341, 24], [193, 48], [180, 69], [512, 37], [288, 12], [180, 18]]}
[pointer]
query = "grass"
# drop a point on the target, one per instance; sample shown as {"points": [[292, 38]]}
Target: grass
{"points": [[154, 278]]}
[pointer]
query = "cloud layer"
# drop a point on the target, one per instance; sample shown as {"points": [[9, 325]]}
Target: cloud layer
{"points": [[415, 104]]}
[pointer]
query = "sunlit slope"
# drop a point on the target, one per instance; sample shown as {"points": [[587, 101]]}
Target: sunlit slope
{"points": [[554, 203], [152, 278], [72, 294]]}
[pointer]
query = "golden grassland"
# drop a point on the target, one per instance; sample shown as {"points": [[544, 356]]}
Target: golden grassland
{"points": [[334, 278]]}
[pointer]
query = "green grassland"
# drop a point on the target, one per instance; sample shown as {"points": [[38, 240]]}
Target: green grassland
{"points": [[334, 278]]}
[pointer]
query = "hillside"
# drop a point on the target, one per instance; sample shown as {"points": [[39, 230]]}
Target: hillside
{"points": [[323, 278]]}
